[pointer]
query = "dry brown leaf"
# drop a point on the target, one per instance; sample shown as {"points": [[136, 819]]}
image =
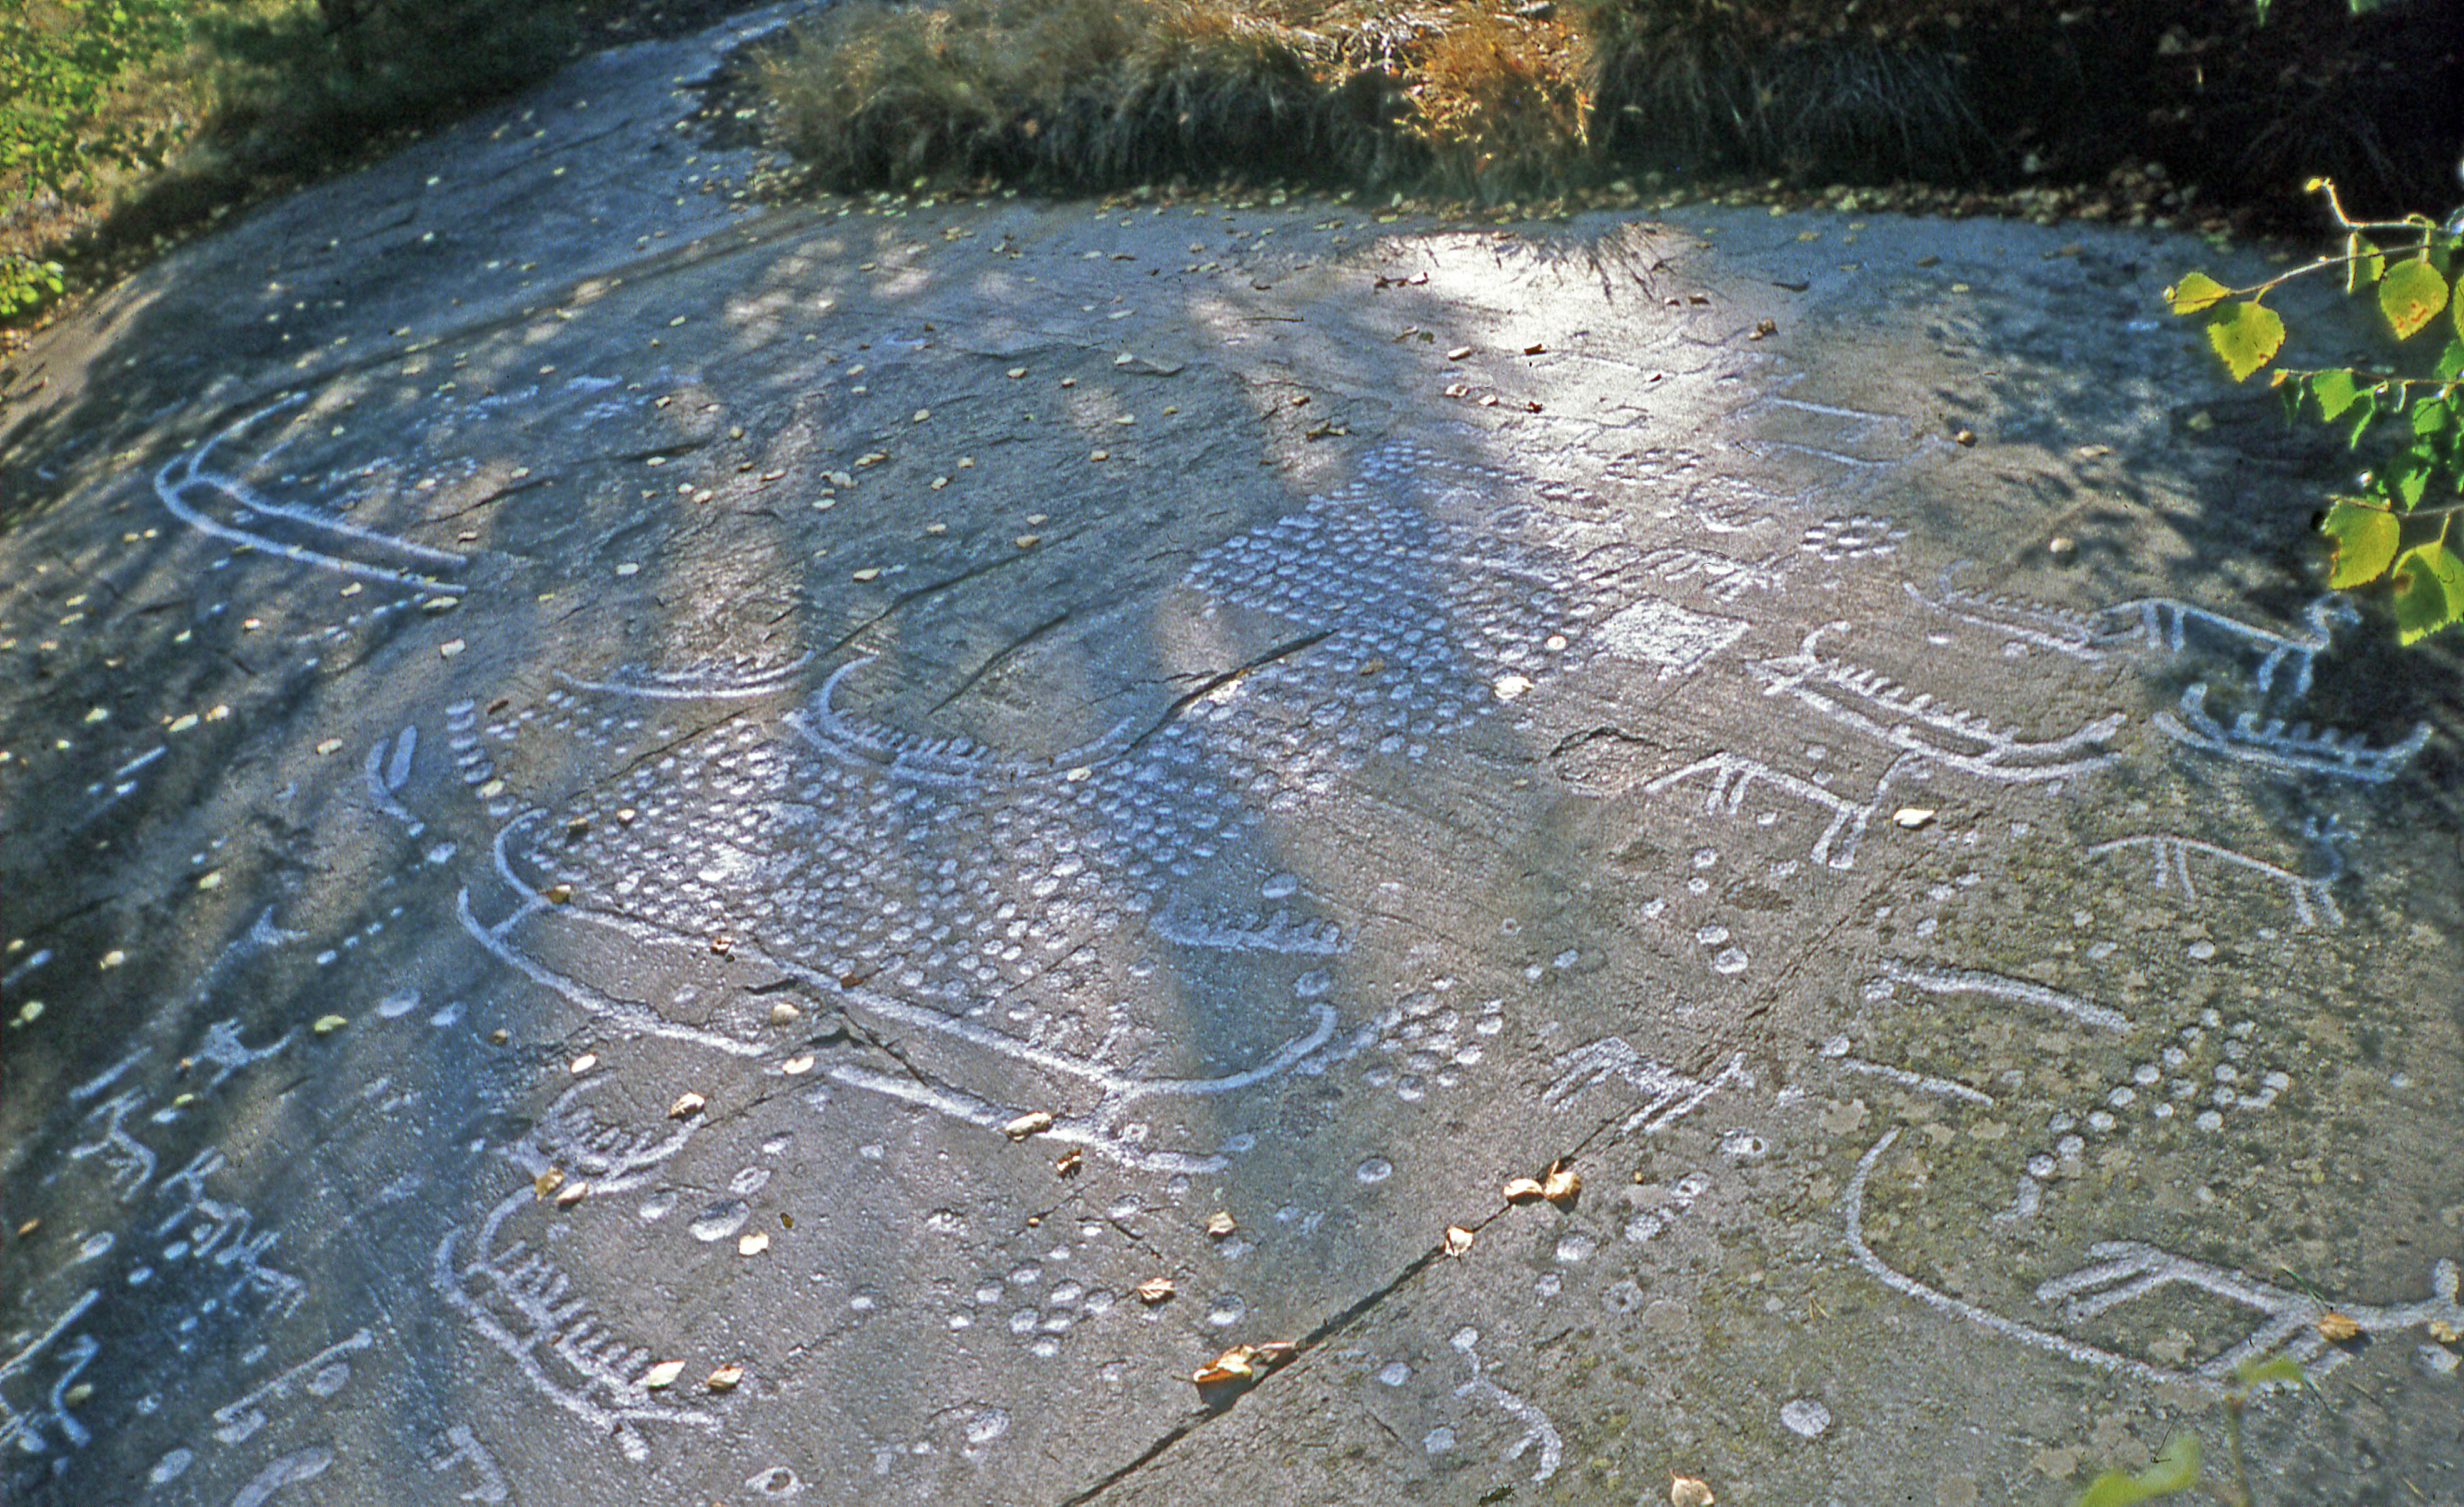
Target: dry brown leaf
{"points": [[725, 1378], [558, 894], [1563, 1185], [2336, 1327], [686, 1105], [1458, 1239], [546, 1182], [2443, 1332], [1033, 1123], [1219, 1225], [1232, 1366], [1685, 1490], [1523, 1189], [1155, 1290], [1070, 1161]]}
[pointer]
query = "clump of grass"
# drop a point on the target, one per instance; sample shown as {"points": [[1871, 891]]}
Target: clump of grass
{"points": [[1817, 93], [1071, 93]]}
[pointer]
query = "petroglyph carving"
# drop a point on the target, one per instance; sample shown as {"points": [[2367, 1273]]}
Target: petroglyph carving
{"points": [[459, 1446], [2311, 896], [1670, 1094], [2163, 623], [300, 1464], [22, 1427], [521, 1303], [2018, 991], [1836, 1051], [2297, 750], [1724, 576], [2075, 635], [1194, 925], [2120, 1271], [1661, 633], [321, 1375], [225, 505], [1537, 1428], [1921, 727], [223, 1047], [1734, 774], [387, 770], [130, 1161]]}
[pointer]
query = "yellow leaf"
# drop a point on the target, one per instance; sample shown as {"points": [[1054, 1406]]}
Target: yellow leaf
{"points": [[2195, 293], [2410, 296], [2246, 336], [2365, 541]]}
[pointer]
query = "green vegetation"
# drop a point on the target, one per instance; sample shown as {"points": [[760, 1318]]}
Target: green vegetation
{"points": [[2101, 108], [125, 120], [57, 61], [2178, 1467], [2394, 529]]}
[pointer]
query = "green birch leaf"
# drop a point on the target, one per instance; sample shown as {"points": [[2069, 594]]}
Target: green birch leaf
{"points": [[2450, 360], [2334, 391], [2366, 266], [2176, 1468], [2282, 1369], [2365, 541], [2429, 591], [2196, 291], [2247, 337], [2410, 296]]}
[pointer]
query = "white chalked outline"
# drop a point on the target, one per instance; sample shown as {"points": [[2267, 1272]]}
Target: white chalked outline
{"points": [[2018, 991], [190, 471], [608, 1399], [2163, 623], [1828, 685], [1537, 1426], [2297, 749], [2122, 1269], [20, 1429], [1733, 773], [2310, 896], [1672, 1094]]}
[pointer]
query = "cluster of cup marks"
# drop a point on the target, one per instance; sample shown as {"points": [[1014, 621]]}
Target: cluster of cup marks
{"points": [[844, 863], [947, 870]]}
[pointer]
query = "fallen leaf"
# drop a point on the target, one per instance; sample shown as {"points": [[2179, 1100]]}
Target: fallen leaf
{"points": [[1033, 1123], [1535, 348], [557, 894], [1459, 353], [1155, 1290], [1070, 1161], [1685, 1490], [1563, 1185], [327, 1025], [571, 1194], [1764, 328], [726, 1377], [1523, 1191], [687, 1103], [753, 1244], [546, 1182], [1912, 818], [1219, 1225], [1458, 1239], [2443, 1332], [663, 1375], [2336, 1327], [1232, 1366]]}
